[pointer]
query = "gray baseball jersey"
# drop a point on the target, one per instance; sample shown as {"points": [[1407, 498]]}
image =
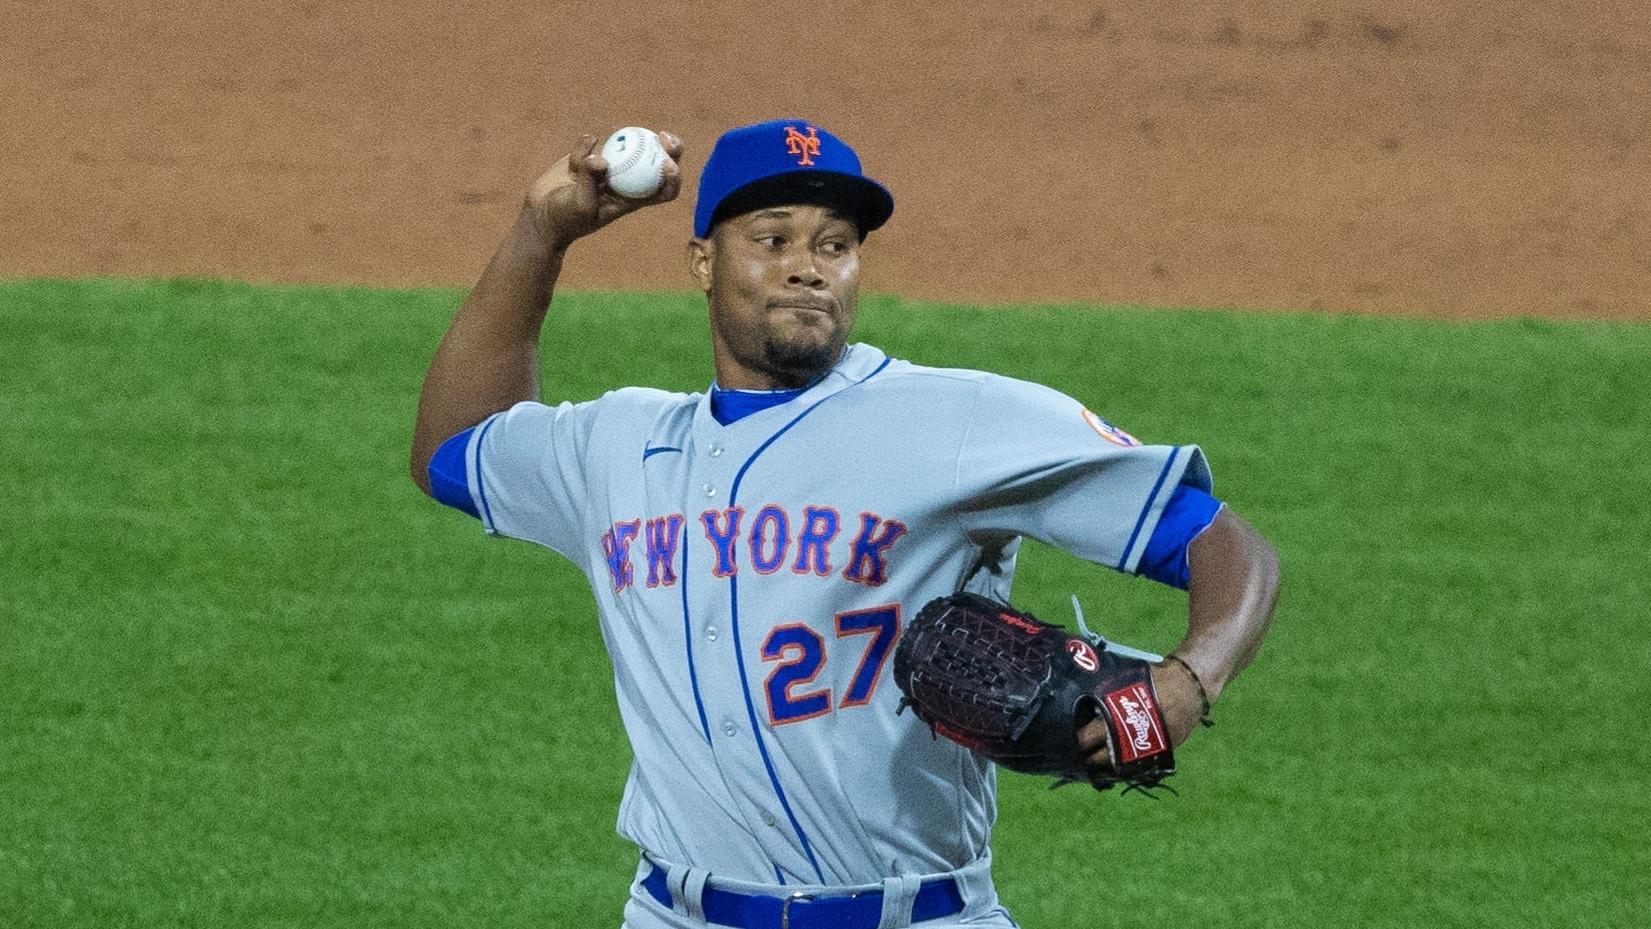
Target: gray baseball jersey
{"points": [[751, 580]]}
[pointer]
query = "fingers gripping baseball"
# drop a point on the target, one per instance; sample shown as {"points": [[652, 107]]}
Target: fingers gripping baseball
{"points": [[572, 199]]}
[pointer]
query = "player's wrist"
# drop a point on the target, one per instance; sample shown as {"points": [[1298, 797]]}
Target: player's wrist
{"points": [[1212, 669], [538, 231], [542, 236], [1173, 660]]}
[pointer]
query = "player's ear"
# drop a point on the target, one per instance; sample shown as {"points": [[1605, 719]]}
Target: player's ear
{"points": [[699, 261]]}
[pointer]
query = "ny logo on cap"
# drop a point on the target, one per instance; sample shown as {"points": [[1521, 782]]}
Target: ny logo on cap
{"points": [[807, 146]]}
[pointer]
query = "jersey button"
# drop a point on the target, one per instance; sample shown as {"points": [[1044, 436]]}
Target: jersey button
{"points": [[716, 451], [728, 729], [710, 491], [711, 633], [767, 818]]}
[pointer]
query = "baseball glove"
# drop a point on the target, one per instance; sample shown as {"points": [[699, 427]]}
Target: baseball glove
{"points": [[1016, 690]]}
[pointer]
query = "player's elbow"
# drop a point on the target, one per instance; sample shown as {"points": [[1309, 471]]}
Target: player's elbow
{"points": [[1267, 571], [418, 465], [1231, 554], [1261, 562]]}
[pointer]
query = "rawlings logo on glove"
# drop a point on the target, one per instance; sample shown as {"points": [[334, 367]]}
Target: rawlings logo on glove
{"points": [[1128, 706]]}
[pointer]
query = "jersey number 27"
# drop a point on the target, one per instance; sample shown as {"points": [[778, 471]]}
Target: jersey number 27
{"points": [[800, 653]]}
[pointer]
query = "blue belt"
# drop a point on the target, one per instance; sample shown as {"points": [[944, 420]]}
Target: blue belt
{"points": [[864, 910]]}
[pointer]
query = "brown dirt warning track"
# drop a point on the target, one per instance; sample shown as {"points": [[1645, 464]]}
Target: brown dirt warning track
{"points": [[1389, 156]]}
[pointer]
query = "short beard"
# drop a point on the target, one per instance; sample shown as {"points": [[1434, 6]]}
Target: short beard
{"points": [[797, 365]]}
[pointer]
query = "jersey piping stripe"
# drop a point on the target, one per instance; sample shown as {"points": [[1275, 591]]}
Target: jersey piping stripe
{"points": [[688, 637], [481, 485], [650, 452], [734, 621], [1141, 520]]}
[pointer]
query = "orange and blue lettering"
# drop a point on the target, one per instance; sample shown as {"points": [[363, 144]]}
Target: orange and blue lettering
{"points": [[771, 519], [616, 545], [801, 653], [661, 538], [722, 528], [866, 563], [820, 527], [804, 146], [882, 623]]}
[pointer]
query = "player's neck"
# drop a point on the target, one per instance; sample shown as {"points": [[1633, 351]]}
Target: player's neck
{"points": [[731, 375], [742, 379]]}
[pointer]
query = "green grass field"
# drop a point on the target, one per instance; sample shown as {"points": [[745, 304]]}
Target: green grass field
{"points": [[249, 677]]}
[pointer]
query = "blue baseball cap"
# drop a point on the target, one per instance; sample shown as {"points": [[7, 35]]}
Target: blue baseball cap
{"points": [[786, 161]]}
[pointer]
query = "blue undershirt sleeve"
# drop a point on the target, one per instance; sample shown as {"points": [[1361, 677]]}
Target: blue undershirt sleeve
{"points": [[448, 482], [1188, 512]]}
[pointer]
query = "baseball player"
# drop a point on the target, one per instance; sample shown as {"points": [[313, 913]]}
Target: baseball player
{"points": [[754, 549]]}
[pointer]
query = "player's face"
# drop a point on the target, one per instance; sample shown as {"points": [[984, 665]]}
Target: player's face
{"points": [[783, 284]]}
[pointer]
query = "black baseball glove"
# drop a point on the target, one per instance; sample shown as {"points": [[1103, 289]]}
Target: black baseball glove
{"points": [[1017, 690]]}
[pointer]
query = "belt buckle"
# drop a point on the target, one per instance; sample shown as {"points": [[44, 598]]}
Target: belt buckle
{"points": [[785, 907]]}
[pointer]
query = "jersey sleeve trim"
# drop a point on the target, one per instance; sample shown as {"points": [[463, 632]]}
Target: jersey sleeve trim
{"points": [[1185, 464], [1130, 554], [475, 471], [1187, 514], [449, 474]]}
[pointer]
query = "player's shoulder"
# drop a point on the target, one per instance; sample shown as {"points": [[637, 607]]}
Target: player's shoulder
{"points": [[967, 397], [897, 390], [899, 373], [647, 399], [623, 409], [967, 382], [632, 410]]}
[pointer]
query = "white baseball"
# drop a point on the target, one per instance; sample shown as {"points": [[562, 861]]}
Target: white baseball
{"points": [[636, 162]]}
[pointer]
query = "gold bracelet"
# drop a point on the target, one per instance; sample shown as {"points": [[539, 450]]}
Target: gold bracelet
{"points": [[1204, 717]]}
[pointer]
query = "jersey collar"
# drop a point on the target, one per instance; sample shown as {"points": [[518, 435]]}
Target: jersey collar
{"points": [[858, 361]]}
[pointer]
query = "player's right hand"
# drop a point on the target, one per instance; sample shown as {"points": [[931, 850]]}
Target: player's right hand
{"points": [[572, 199]]}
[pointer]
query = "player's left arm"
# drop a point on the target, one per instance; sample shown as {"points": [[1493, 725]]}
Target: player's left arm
{"points": [[1035, 462], [1233, 577]]}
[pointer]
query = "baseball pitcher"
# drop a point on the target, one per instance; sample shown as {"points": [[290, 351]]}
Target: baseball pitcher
{"points": [[802, 574]]}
